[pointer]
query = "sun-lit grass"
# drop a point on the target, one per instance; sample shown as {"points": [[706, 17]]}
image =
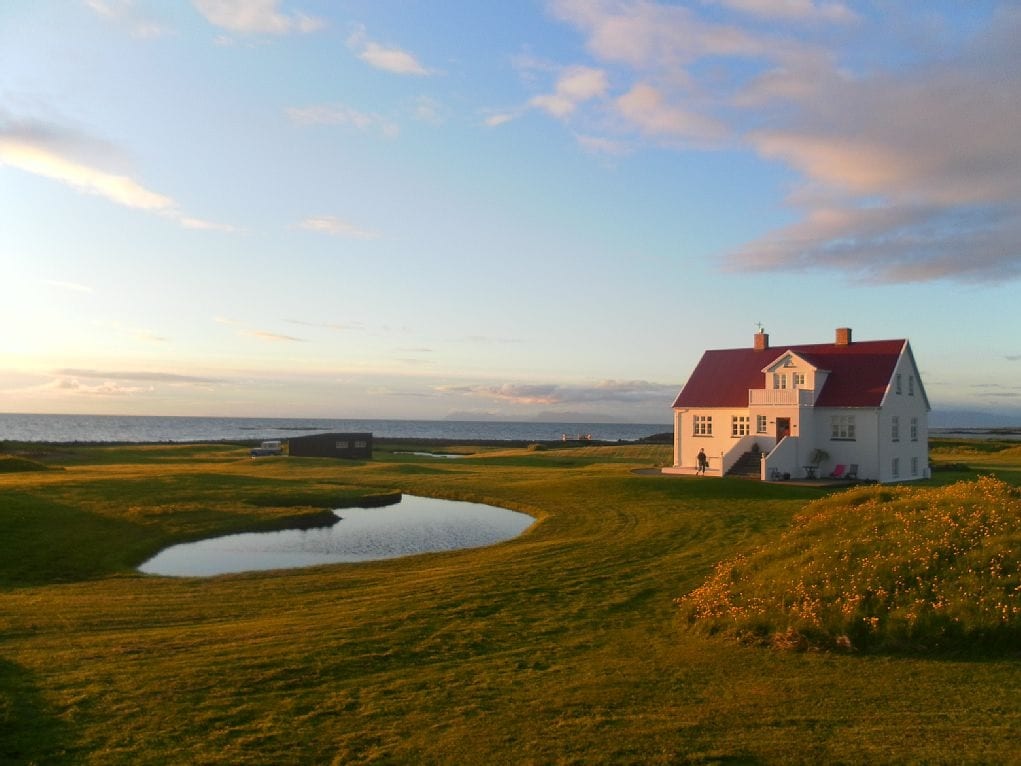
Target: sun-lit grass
{"points": [[902, 568], [560, 646]]}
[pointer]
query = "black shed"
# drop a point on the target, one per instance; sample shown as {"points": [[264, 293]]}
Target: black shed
{"points": [[350, 446]]}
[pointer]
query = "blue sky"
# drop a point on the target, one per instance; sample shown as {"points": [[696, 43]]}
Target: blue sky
{"points": [[489, 209]]}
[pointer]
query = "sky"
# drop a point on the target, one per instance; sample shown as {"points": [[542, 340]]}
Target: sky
{"points": [[476, 209]]}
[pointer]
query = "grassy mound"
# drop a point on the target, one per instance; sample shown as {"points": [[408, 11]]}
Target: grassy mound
{"points": [[12, 464], [879, 568]]}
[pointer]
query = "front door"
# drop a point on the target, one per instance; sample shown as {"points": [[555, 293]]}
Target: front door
{"points": [[783, 428]]}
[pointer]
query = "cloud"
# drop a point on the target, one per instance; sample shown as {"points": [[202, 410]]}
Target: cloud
{"points": [[645, 107], [908, 177], [255, 17], [121, 382], [909, 170], [335, 326], [106, 388], [338, 114], [651, 36], [495, 120], [600, 145], [428, 110], [60, 155], [136, 375], [138, 22], [273, 337], [328, 224], [252, 332], [575, 85], [72, 286], [389, 59], [793, 10]]}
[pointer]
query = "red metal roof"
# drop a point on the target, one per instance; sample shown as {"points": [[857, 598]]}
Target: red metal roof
{"points": [[859, 373]]}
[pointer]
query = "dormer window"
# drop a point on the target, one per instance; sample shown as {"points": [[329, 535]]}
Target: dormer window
{"points": [[780, 380], [799, 380]]}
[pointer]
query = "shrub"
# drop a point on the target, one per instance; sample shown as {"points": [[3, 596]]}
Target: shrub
{"points": [[883, 568]]}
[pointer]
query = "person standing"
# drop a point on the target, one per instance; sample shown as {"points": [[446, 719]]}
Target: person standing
{"points": [[703, 463]]}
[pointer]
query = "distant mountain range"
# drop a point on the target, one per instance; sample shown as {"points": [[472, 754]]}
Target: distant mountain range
{"points": [[973, 419], [937, 418]]}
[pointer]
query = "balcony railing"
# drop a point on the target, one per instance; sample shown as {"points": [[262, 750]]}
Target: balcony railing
{"points": [[788, 397]]}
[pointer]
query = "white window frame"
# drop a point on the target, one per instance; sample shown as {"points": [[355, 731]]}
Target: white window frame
{"points": [[914, 429], [895, 428], [702, 425], [895, 467], [799, 380], [914, 466], [761, 424], [842, 428], [740, 425], [897, 379]]}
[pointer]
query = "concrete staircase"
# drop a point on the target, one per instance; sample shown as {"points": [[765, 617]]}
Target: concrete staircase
{"points": [[747, 466]]}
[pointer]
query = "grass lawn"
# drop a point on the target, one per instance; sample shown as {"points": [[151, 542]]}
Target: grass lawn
{"points": [[561, 646]]}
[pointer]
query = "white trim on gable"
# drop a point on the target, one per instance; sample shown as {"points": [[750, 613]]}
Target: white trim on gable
{"points": [[785, 360]]}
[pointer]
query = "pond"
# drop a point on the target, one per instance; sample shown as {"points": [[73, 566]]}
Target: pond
{"points": [[414, 525]]}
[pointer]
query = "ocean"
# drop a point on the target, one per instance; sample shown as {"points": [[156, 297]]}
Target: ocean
{"points": [[154, 429]]}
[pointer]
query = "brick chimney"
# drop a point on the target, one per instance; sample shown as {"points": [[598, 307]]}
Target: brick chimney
{"points": [[843, 336], [761, 341]]}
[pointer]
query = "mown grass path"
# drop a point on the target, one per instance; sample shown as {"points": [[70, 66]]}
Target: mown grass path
{"points": [[561, 646]]}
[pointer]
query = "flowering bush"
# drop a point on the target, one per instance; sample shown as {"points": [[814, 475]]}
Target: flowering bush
{"points": [[887, 568]]}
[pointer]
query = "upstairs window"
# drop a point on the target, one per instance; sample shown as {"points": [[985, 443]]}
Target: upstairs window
{"points": [[799, 380], [895, 428], [897, 381], [914, 429], [779, 380], [842, 427], [911, 385], [703, 425]]}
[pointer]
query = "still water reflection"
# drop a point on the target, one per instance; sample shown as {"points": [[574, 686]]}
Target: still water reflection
{"points": [[414, 525]]}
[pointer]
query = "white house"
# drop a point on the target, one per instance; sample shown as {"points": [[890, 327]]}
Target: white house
{"points": [[859, 405]]}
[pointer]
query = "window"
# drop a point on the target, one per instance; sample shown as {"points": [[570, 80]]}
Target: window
{"points": [[361, 445], [760, 424], [703, 425], [799, 380], [779, 380], [896, 468], [914, 429], [740, 425], [914, 466], [842, 427], [895, 428], [341, 445], [898, 382], [911, 385]]}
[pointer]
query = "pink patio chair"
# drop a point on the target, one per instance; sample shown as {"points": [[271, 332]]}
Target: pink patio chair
{"points": [[838, 471]]}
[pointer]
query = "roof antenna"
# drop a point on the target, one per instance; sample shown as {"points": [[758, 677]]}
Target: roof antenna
{"points": [[759, 325]]}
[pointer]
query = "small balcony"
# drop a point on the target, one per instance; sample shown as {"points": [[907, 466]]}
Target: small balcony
{"points": [[785, 397]]}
